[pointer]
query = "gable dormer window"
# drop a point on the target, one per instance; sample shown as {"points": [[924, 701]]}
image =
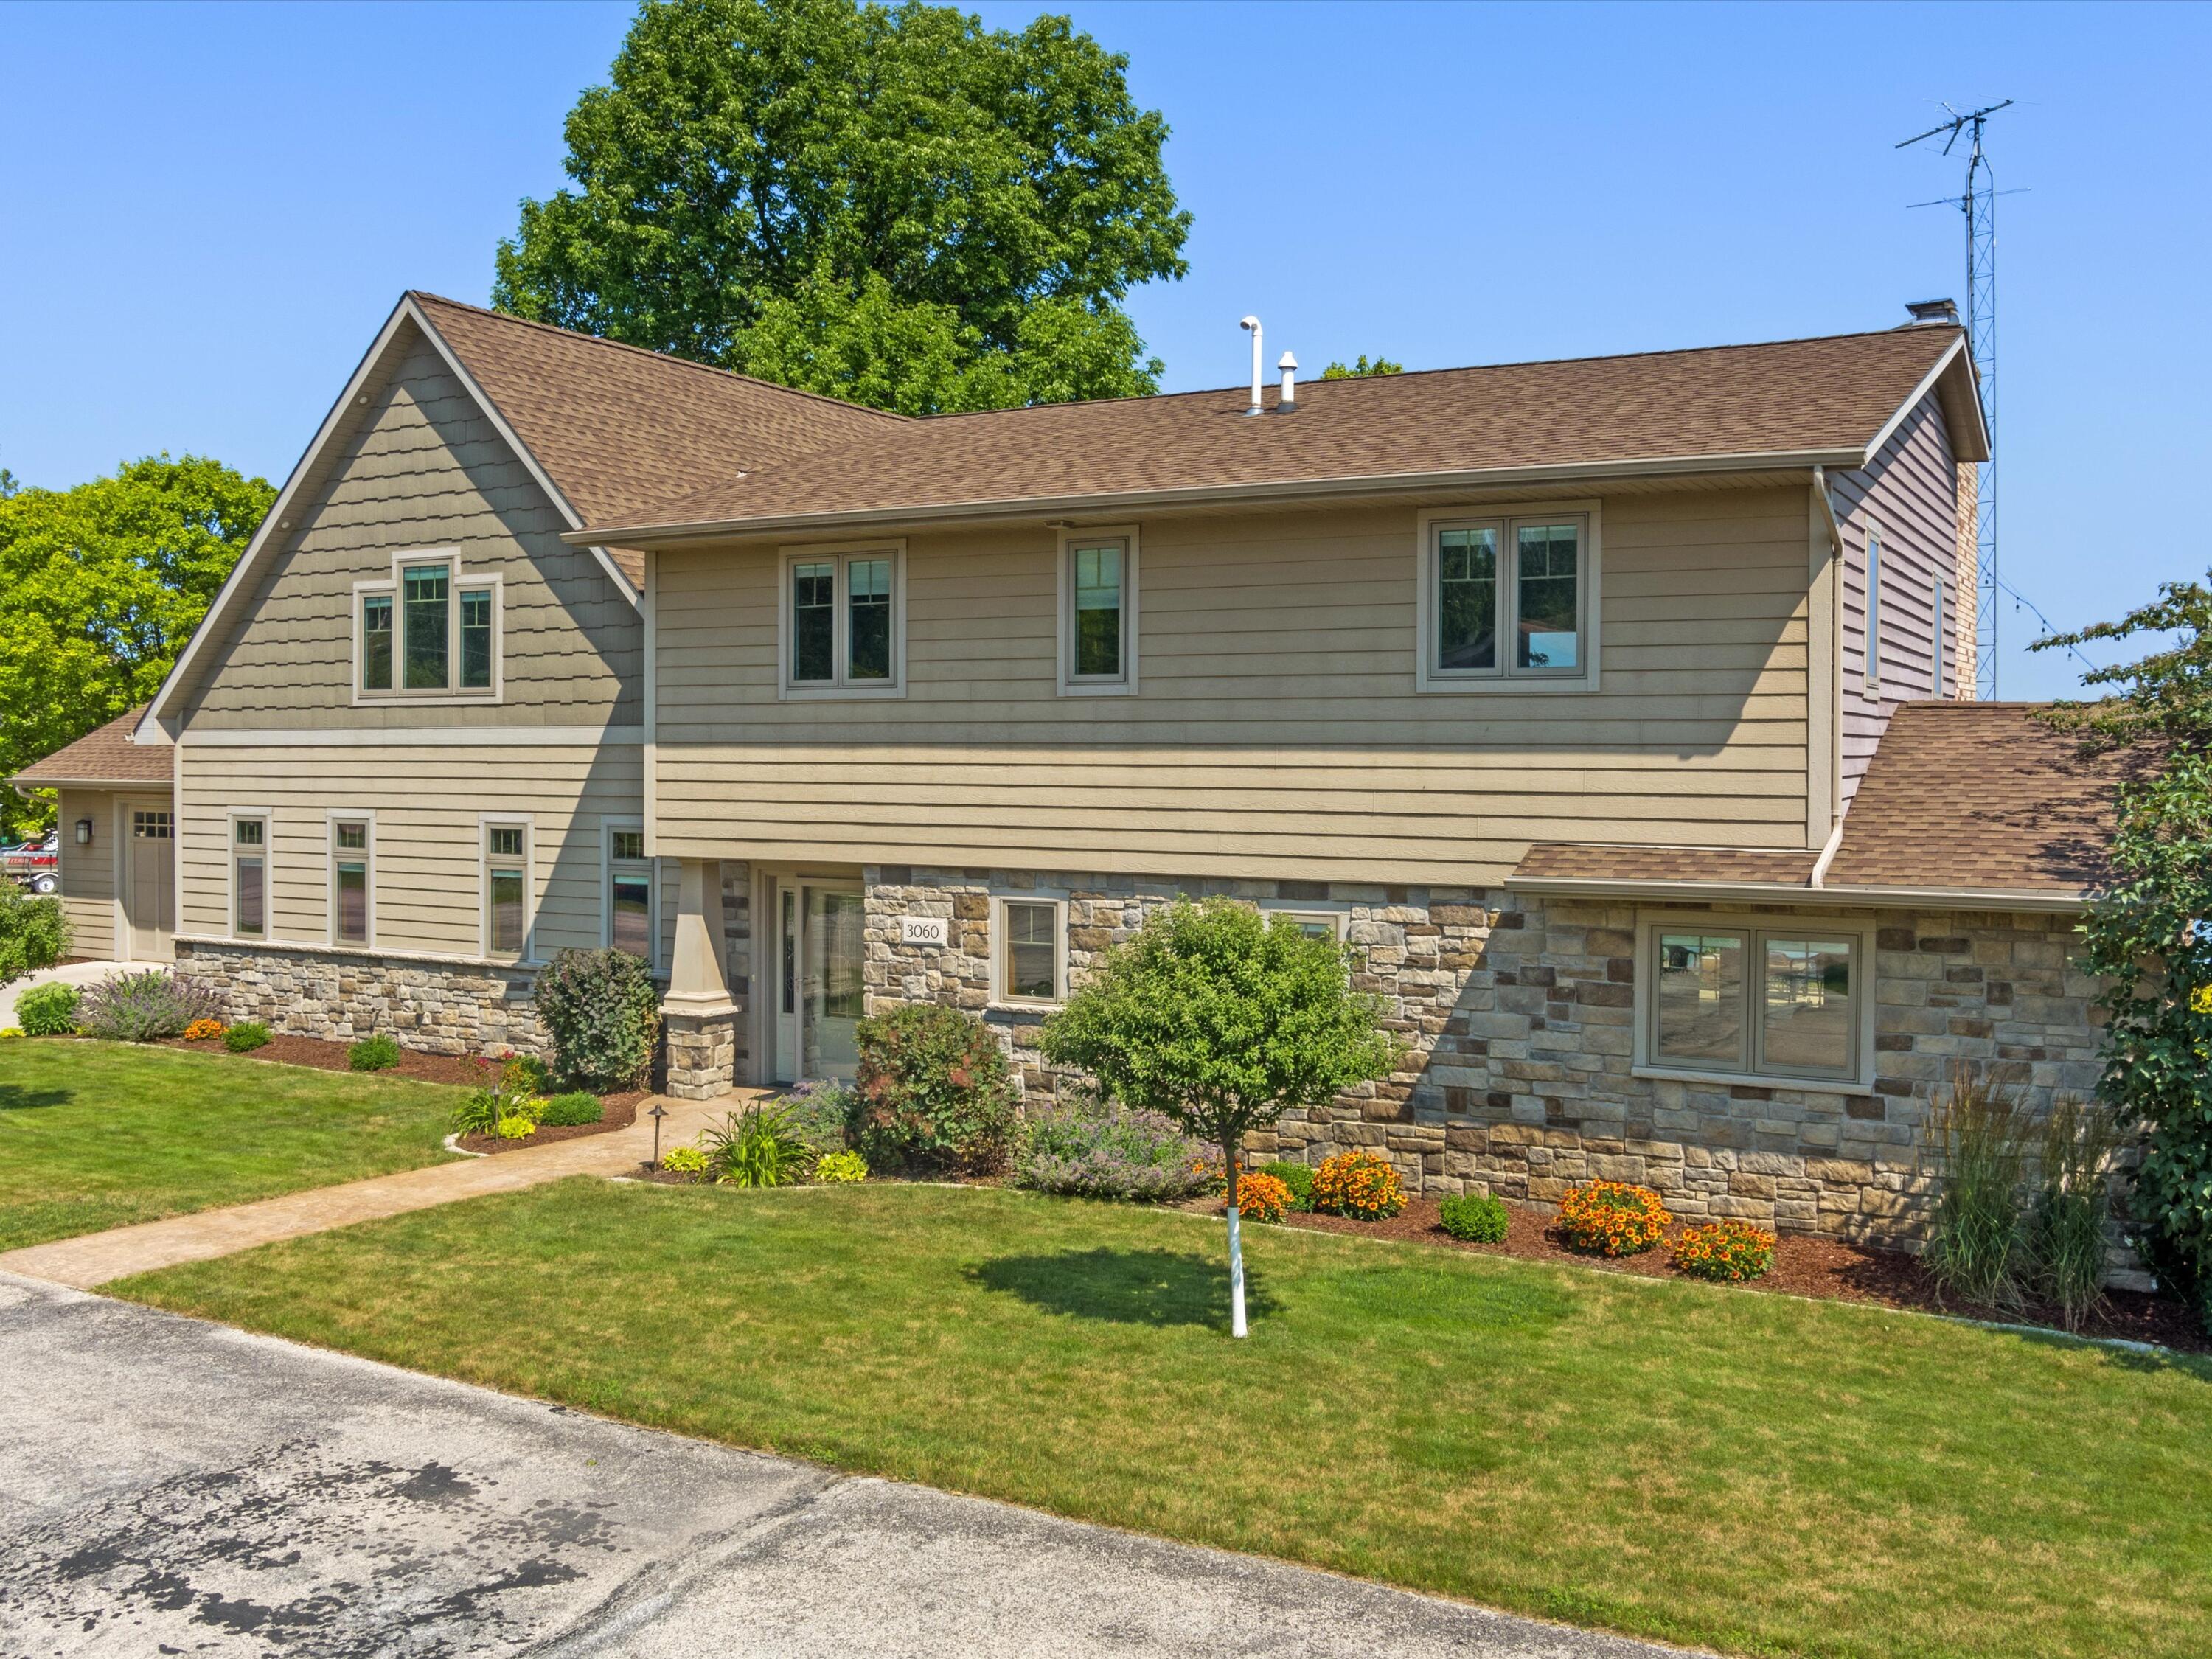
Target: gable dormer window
{"points": [[430, 632]]}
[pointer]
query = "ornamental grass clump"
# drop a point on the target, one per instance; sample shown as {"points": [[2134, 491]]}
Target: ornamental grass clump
{"points": [[1477, 1218], [756, 1147], [144, 1007], [1611, 1218], [1731, 1251], [1089, 1150], [1359, 1184], [1977, 1138], [2066, 1240]]}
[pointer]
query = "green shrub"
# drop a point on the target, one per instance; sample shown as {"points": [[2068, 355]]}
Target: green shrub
{"points": [[1093, 1150], [1477, 1217], [934, 1091], [2066, 1230], [817, 1112], [567, 1111], [48, 1010], [144, 1007], [833, 1168], [33, 933], [379, 1052], [1298, 1177], [1977, 1134], [515, 1128], [685, 1160], [756, 1147], [603, 1016], [246, 1036], [509, 1091]]}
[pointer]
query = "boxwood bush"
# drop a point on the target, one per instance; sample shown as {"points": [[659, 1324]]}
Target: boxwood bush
{"points": [[1478, 1219], [576, 1107], [1298, 1177], [934, 1091], [47, 1010], [379, 1052], [246, 1036], [603, 1016]]}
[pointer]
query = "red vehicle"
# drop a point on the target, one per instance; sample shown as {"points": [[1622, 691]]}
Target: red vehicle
{"points": [[35, 865]]}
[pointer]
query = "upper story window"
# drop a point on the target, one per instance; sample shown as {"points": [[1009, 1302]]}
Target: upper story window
{"points": [[1510, 599], [1874, 611], [1782, 1002], [1935, 638], [843, 621], [431, 631], [1098, 610]]}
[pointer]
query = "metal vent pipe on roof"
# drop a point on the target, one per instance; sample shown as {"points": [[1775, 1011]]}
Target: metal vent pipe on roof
{"points": [[1253, 323], [1288, 403]]}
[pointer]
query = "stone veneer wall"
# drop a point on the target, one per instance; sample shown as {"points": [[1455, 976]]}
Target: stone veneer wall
{"points": [[441, 1008], [1521, 1011]]}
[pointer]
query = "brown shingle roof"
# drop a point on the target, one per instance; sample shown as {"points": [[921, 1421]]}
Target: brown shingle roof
{"points": [[619, 429], [103, 754], [1980, 795], [1830, 395], [1970, 798]]}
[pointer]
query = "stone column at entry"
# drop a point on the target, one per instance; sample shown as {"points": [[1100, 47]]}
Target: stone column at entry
{"points": [[701, 1015]]}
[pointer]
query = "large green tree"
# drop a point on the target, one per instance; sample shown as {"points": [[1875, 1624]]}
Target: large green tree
{"points": [[100, 585], [2149, 935], [895, 205]]}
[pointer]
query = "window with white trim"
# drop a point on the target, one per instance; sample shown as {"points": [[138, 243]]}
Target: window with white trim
{"points": [[1782, 1002], [1937, 642], [1098, 610], [249, 876], [432, 630], [350, 881], [1874, 611], [1032, 950], [506, 889], [630, 893], [1508, 598], [843, 626], [1320, 924]]}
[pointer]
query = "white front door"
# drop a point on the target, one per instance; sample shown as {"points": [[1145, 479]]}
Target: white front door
{"points": [[149, 882], [820, 979]]}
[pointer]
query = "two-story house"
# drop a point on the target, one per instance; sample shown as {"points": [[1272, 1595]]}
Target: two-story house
{"points": [[1618, 710]]}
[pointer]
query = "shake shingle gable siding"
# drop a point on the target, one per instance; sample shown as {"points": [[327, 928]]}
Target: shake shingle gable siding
{"points": [[1824, 396]]}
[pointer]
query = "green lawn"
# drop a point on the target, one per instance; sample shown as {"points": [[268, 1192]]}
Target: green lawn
{"points": [[1755, 1473], [96, 1135]]}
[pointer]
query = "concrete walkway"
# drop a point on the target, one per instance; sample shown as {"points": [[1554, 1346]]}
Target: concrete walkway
{"points": [[168, 1485], [69, 973], [95, 1258]]}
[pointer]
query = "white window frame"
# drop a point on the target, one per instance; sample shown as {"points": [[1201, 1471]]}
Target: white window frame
{"points": [[1646, 1061], [1071, 684], [609, 829], [231, 819], [1309, 910], [1001, 955], [1871, 678], [1505, 517], [841, 687], [1936, 603], [331, 819], [485, 824], [457, 578]]}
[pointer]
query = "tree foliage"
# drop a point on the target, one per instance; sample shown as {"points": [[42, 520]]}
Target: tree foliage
{"points": [[2149, 935], [34, 933], [100, 585], [1223, 1019], [895, 205], [1363, 369]]}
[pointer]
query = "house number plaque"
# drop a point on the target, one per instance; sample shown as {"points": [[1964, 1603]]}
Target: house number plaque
{"points": [[923, 930]]}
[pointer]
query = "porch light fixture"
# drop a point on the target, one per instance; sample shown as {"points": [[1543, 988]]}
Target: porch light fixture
{"points": [[84, 832]]}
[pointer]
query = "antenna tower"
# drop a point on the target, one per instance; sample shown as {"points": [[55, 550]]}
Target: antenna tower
{"points": [[1978, 201]]}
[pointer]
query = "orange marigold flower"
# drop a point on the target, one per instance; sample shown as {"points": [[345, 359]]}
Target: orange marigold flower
{"points": [[1360, 1184], [1261, 1197], [1611, 1218]]}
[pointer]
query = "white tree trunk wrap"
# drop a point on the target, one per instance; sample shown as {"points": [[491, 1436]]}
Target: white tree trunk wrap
{"points": [[1235, 1277]]}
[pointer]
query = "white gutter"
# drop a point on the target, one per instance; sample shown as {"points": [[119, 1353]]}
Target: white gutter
{"points": [[1383, 483]]}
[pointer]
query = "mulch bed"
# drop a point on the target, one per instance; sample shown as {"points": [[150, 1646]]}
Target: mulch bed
{"points": [[464, 1070], [1828, 1269]]}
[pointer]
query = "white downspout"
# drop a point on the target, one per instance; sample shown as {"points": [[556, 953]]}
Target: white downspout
{"points": [[1827, 856], [1252, 324]]}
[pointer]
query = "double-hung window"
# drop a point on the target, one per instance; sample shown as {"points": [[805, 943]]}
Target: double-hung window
{"points": [[1510, 599], [430, 630], [844, 621], [1782, 1002], [1032, 966], [1098, 611], [249, 876], [506, 889], [630, 893], [349, 879]]}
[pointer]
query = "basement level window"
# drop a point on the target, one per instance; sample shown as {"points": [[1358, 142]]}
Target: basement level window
{"points": [[1778, 1003]]}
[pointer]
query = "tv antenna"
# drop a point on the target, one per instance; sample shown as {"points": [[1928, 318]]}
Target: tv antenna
{"points": [[1978, 201]]}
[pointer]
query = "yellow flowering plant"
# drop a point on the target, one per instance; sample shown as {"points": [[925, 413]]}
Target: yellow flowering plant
{"points": [[1732, 1251], [1262, 1197], [1360, 1184], [201, 1029], [1611, 1218]]}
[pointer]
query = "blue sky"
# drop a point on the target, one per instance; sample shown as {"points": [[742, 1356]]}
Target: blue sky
{"points": [[207, 209]]}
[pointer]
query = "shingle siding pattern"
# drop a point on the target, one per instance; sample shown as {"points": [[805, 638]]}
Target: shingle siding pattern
{"points": [[1732, 400]]}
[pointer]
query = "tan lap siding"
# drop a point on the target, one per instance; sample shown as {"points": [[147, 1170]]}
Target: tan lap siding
{"points": [[87, 874], [1277, 730], [428, 802]]}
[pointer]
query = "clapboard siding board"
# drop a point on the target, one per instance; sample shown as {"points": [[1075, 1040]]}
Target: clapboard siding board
{"points": [[428, 801], [1911, 492], [1277, 730], [419, 467], [87, 874]]}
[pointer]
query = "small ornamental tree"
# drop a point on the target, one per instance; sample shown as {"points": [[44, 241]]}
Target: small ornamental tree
{"points": [[1223, 1019]]}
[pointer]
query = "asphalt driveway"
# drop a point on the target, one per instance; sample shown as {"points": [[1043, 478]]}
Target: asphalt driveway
{"points": [[171, 1486]]}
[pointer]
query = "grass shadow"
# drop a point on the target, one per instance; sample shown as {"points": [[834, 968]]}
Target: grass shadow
{"points": [[14, 1097], [1125, 1287]]}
